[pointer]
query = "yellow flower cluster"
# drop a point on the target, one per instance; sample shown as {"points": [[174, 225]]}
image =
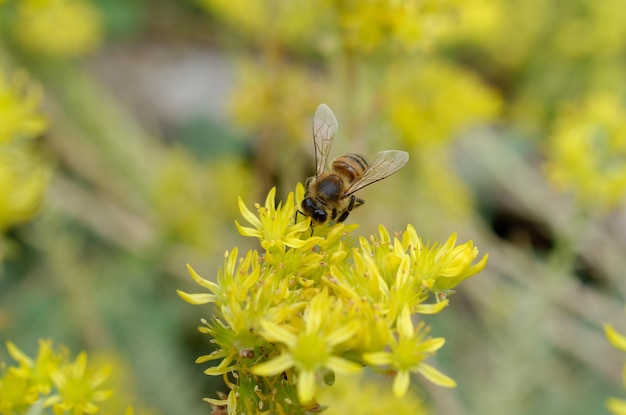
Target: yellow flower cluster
{"points": [[616, 406], [22, 174], [51, 380], [587, 151], [317, 302], [364, 26], [291, 21], [405, 25], [60, 28], [19, 105], [430, 102]]}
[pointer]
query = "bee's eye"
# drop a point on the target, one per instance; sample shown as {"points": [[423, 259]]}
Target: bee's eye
{"points": [[308, 206], [310, 209]]}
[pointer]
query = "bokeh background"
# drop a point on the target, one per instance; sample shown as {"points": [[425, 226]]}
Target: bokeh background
{"points": [[141, 122]]}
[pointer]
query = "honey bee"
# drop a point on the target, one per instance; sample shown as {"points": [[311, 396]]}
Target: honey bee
{"points": [[330, 194]]}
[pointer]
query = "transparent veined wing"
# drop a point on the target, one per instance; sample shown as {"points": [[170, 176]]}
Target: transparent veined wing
{"points": [[384, 165], [324, 128]]}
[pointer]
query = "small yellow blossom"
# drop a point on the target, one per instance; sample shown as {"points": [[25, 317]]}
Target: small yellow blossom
{"points": [[20, 100], [183, 191], [431, 101], [311, 349], [615, 405], [23, 177], [373, 398], [37, 25], [407, 354], [37, 371], [51, 380], [587, 151], [404, 25], [78, 387], [442, 267], [275, 226]]}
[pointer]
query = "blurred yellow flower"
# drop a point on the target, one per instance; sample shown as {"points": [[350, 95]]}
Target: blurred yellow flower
{"points": [[60, 28], [267, 21], [19, 105], [275, 100], [37, 371], [429, 102], [23, 174], [615, 405], [79, 387], [23, 178], [403, 25], [51, 380], [185, 189], [372, 398], [586, 152]]}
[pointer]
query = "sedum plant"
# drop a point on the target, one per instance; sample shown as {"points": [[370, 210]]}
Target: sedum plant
{"points": [[315, 302], [52, 383]]}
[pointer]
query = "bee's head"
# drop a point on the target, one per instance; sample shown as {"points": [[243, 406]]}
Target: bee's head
{"points": [[310, 209]]}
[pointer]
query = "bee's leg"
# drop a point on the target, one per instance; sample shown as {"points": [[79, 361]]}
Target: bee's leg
{"points": [[346, 212], [343, 216], [296, 215], [333, 214], [354, 202]]}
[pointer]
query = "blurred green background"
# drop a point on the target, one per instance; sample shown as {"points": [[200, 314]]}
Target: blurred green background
{"points": [[159, 114]]}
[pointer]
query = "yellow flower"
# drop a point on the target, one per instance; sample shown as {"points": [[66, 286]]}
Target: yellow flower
{"points": [[78, 387], [405, 25], [274, 225], [19, 105], [38, 22], [23, 175], [407, 354], [22, 182], [430, 102], [16, 393], [440, 268], [184, 190], [614, 405], [309, 350], [37, 372], [289, 21], [52, 383], [373, 398], [587, 151]]}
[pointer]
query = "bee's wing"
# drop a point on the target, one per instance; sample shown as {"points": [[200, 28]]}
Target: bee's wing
{"points": [[324, 127], [384, 165]]}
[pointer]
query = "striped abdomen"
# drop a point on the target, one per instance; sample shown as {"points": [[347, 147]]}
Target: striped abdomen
{"points": [[350, 166]]}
